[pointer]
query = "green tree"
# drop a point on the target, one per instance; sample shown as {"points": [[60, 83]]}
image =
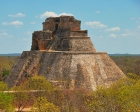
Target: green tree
{"points": [[3, 86], [42, 105], [120, 97], [21, 97], [5, 73], [6, 102], [133, 76], [5, 98], [39, 85], [41, 89]]}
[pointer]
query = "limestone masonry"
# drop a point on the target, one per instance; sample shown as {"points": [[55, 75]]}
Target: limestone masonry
{"points": [[65, 55]]}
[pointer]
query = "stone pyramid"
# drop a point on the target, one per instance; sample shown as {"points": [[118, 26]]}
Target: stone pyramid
{"points": [[65, 55]]}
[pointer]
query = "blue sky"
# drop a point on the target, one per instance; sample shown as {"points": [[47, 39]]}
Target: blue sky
{"points": [[113, 25]]}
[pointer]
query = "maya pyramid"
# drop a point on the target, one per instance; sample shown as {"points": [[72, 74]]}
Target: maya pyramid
{"points": [[65, 55]]}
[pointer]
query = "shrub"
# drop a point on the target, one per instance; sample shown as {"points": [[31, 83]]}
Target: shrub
{"points": [[5, 73], [6, 102], [42, 105]]}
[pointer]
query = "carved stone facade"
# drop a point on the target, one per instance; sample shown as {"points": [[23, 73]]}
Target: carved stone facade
{"points": [[65, 55]]}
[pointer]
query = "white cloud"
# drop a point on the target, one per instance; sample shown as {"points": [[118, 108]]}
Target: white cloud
{"points": [[137, 20], [100, 36], [48, 14], [66, 14], [53, 14], [2, 30], [126, 34], [32, 22], [97, 12], [113, 29], [138, 27], [112, 35], [5, 23], [16, 23], [131, 33], [132, 18], [29, 33], [95, 24], [36, 16], [17, 15], [4, 35]]}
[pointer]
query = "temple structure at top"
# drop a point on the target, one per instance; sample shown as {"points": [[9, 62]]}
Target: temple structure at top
{"points": [[62, 34], [61, 23]]}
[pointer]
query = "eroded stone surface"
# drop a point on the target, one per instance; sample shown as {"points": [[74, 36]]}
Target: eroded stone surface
{"points": [[65, 55]]}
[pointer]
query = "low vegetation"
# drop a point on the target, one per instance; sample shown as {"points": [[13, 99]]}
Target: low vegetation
{"points": [[6, 63], [128, 64], [122, 96], [5, 99]]}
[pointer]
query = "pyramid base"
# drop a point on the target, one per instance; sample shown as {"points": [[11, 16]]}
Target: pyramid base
{"points": [[66, 69]]}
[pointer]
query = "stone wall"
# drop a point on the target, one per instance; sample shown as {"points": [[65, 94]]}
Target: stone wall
{"points": [[71, 44], [25, 66], [78, 33], [62, 22], [40, 40], [70, 33]]}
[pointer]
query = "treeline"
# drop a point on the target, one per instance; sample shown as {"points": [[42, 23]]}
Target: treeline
{"points": [[38, 94], [6, 63], [128, 64]]}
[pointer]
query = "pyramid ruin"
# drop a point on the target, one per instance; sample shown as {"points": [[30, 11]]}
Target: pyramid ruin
{"points": [[65, 55]]}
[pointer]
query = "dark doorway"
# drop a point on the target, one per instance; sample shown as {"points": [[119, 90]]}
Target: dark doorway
{"points": [[56, 26], [36, 45]]}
